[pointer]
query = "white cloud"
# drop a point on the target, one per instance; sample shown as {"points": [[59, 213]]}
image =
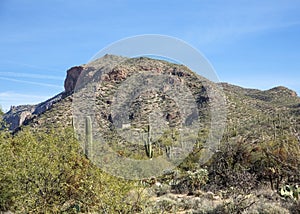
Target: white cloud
{"points": [[35, 67]]}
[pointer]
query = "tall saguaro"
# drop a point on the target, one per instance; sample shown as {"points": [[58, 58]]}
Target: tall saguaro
{"points": [[88, 137], [148, 144]]}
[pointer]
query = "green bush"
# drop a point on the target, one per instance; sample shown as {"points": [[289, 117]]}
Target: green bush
{"points": [[197, 178], [42, 173]]}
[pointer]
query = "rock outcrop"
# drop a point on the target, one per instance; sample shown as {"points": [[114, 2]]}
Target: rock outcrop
{"points": [[72, 77], [283, 91], [18, 115]]}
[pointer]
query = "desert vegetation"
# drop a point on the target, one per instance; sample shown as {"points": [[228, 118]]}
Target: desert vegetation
{"points": [[45, 172], [255, 168]]}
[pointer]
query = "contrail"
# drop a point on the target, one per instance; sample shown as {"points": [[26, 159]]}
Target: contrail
{"points": [[32, 83], [11, 96], [34, 76], [32, 66]]}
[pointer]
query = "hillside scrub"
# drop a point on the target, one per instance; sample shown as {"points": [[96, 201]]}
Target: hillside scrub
{"points": [[43, 173]]}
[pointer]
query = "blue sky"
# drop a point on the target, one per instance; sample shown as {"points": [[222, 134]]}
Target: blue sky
{"points": [[250, 43]]}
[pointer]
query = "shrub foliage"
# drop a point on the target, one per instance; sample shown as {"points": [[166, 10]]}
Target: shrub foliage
{"points": [[43, 173]]}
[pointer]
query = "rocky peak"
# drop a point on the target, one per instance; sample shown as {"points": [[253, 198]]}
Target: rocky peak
{"points": [[283, 91], [72, 77]]}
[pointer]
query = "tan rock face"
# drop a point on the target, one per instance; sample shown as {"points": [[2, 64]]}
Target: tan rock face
{"points": [[72, 77]]}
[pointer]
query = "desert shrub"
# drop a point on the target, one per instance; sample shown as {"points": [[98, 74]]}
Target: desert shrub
{"points": [[236, 205], [165, 205], [295, 207], [265, 207], [190, 181], [162, 189], [277, 161], [229, 166], [197, 178], [44, 173], [2, 125]]}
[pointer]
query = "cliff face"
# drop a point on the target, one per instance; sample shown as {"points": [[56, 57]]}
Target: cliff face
{"points": [[72, 77]]}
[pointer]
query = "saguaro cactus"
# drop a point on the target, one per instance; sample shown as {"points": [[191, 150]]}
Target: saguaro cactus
{"points": [[88, 137], [169, 151], [148, 144]]}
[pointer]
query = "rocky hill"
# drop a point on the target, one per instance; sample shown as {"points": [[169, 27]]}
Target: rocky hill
{"points": [[243, 105], [248, 110], [31, 114], [244, 143], [124, 96]]}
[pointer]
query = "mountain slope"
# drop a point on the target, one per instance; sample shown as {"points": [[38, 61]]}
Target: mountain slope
{"points": [[248, 110], [137, 102]]}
